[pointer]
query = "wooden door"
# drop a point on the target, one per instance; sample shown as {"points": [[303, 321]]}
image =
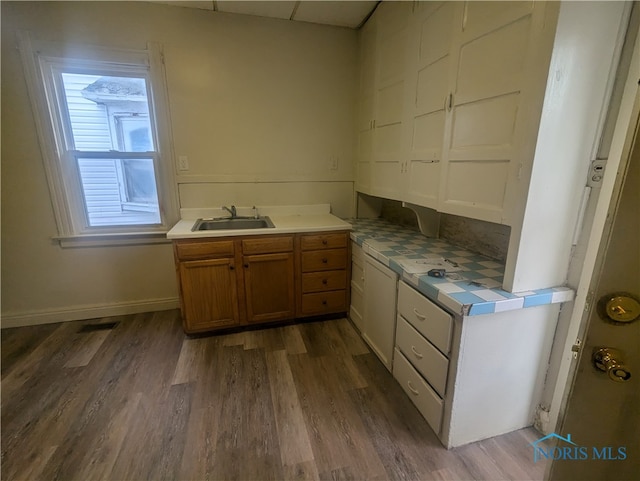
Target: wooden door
{"points": [[209, 294], [603, 416], [426, 99], [269, 286], [493, 42]]}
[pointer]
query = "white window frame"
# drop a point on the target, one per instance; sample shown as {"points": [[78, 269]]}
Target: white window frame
{"points": [[40, 62]]}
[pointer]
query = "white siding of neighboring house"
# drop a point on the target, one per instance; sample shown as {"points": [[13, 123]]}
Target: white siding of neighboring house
{"points": [[91, 132]]}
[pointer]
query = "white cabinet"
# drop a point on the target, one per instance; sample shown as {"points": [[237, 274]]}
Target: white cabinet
{"points": [[425, 110], [366, 105], [374, 312], [456, 96], [471, 377], [421, 363], [392, 21]]}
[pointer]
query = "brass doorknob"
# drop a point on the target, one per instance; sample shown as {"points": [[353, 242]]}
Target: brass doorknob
{"points": [[611, 361]]}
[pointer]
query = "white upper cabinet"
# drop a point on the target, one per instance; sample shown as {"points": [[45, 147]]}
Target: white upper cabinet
{"points": [[392, 34], [366, 105], [491, 56], [428, 80], [448, 104]]}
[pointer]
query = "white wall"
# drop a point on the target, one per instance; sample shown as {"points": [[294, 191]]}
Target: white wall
{"points": [[259, 106]]}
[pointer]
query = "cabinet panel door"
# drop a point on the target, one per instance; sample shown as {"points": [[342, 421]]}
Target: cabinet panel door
{"points": [[269, 286], [491, 58], [209, 294], [428, 86], [379, 323]]}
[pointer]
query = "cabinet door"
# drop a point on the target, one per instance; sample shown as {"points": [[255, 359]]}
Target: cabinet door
{"points": [[494, 47], [269, 286], [426, 99], [209, 294], [379, 322], [366, 102], [390, 84]]}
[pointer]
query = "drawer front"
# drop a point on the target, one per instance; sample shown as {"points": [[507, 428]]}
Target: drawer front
{"points": [[357, 275], [310, 242], [324, 302], [324, 281], [329, 260], [201, 250], [431, 321], [425, 399], [267, 245], [430, 362]]}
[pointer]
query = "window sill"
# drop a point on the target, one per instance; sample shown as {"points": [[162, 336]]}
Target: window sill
{"points": [[107, 240]]}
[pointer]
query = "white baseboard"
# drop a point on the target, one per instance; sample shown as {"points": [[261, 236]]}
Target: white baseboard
{"points": [[76, 313]]}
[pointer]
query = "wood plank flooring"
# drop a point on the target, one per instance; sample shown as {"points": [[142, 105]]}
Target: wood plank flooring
{"points": [[144, 401]]}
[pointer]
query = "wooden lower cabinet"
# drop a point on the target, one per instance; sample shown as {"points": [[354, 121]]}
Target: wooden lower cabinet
{"points": [[269, 287], [209, 294], [235, 281]]}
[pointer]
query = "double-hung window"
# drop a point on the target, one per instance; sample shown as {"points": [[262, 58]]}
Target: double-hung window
{"points": [[103, 130]]}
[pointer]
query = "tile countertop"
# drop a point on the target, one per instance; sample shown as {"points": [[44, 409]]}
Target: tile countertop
{"points": [[473, 290], [286, 219]]}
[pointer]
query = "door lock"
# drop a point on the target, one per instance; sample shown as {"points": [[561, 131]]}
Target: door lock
{"points": [[619, 307], [611, 361]]}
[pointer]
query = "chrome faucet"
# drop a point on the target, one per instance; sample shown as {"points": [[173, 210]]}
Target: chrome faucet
{"points": [[231, 211]]}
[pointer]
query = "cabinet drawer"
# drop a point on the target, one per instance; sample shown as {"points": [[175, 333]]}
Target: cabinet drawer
{"points": [[267, 245], [324, 281], [430, 362], [323, 241], [425, 399], [431, 321], [324, 302], [329, 260], [199, 250]]}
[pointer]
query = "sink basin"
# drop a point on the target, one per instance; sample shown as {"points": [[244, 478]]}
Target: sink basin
{"points": [[233, 224]]}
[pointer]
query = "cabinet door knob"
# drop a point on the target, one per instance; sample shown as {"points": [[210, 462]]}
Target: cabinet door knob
{"points": [[246, 266], [231, 267], [324, 302]]}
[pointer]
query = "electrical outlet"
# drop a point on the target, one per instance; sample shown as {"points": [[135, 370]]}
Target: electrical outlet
{"points": [[333, 162], [183, 163]]}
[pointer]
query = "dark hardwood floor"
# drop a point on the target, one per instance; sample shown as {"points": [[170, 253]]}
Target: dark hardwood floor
{"points": [[141, 400]]}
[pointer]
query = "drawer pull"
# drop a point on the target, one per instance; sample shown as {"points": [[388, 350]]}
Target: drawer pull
{"points": [[324, 242], [412, 389], [417, 354], [324, 302], [422, 317], [324, 282], [325, 260]]}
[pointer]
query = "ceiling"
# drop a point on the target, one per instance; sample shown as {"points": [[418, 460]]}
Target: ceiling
{"points": [[351, 14]]}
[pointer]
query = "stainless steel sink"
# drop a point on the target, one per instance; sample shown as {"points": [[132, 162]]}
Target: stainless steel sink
{"points": [[233, 223]]}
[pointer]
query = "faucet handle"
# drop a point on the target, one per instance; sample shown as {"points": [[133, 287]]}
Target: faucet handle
{"points": [[255, 212]]}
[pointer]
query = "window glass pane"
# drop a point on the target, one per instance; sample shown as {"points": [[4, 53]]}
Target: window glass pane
{"points": [[119, 192], [108, 113]]}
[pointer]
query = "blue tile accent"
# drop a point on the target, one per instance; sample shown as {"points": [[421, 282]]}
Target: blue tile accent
{"points": [[400, 242]]}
